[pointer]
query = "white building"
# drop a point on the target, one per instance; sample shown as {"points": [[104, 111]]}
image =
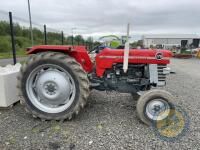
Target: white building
{"points": [[168, 41]]}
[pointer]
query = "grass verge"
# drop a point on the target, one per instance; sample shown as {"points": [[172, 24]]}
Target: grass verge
{"points": [[19, 53]]}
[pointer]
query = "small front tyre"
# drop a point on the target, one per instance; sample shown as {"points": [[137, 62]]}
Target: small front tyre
{"points": [[155, 105]]}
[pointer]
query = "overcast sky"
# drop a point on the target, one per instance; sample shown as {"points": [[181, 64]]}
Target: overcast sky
{"points": [[101, 17]]}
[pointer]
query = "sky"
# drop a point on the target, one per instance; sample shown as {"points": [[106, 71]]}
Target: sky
{"points": [[104, 17]]}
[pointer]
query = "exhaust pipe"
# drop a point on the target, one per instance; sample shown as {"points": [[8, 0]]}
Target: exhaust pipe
{"points": [[126, 50]]}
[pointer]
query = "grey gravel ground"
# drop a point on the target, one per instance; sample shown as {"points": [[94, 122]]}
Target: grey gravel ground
{"points": [[108, 122]]}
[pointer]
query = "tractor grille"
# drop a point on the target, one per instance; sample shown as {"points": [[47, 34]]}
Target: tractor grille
{"points": [[161, 75]]}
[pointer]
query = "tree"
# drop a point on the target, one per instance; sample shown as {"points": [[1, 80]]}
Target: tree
{"points": [[5, 44], [89, 43], [78, 39], [137, 43], [22, 38], [4, 28], [69, 40]]}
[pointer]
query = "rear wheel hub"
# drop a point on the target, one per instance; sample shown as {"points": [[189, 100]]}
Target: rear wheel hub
{"points": [[51, 88], [54, 87]]}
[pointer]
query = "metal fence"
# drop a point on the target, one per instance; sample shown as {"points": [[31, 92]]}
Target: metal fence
{"points": [[15, 35]]}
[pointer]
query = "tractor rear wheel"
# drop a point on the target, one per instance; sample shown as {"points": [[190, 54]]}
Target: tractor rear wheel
{"points": [[53, 86], [155, 106]]}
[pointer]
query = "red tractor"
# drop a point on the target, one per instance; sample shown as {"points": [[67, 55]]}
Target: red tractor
{"points": [[56, 81]]}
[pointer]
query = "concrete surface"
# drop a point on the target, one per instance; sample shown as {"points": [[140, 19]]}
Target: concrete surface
{"points": [[108, 122], [8, 85]]}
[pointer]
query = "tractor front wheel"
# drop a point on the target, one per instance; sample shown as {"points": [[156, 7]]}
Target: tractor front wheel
{"points": [[155, 106], [53, 86]]}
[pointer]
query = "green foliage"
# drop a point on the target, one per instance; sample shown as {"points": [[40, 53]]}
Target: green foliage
{"points": [[136, 44], [69, 40], [79, 39], [5, 44], [4, 28], [89, 43], [22, 39], [22, 42]]}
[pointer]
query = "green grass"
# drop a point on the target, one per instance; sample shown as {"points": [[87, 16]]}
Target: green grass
{"points": [[19, 53]]}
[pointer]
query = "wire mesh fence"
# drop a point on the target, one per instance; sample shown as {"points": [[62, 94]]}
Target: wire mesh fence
{"points": [[5, 40], [22, 35]]}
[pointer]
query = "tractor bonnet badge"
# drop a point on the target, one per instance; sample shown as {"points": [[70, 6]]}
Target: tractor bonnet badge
{"points": [[159, 56], [173, 127]]}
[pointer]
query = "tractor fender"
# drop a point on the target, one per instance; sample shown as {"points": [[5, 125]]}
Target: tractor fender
{"points": [[79, 53], [43, 48]]}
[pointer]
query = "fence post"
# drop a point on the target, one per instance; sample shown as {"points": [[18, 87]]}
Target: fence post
{"points": [[72, 40], [62, 38], [12, 38], [45, 35]]}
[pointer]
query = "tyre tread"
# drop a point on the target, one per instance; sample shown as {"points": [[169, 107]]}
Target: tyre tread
{"points": [[79, 73]]}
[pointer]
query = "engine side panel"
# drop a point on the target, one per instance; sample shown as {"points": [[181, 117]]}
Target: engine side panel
{"points": [[114, 79], [77, 52], [107, 57]]}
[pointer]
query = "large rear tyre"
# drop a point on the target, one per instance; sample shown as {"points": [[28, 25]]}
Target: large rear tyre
{"points": [[53, 86], [154, 106]]}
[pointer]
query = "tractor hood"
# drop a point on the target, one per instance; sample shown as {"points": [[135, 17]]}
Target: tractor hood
{"points": [[137, 55], [153, 54], [107, 57]]}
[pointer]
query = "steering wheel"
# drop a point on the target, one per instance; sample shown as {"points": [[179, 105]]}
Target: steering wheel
{"points": [[109, 38], [105, 40], [97, 49], [111, 41]]}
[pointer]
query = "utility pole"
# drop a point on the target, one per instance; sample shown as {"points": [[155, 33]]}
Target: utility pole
{"points": [[73, 35], [31, 29]]}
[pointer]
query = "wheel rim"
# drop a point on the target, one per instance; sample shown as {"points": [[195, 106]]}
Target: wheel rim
{"points": [[50, 88], [157, 109]]}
